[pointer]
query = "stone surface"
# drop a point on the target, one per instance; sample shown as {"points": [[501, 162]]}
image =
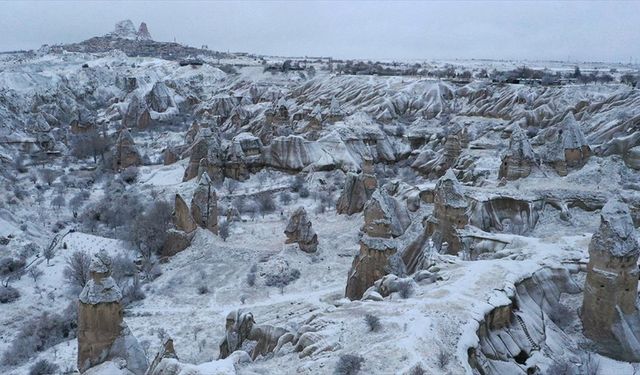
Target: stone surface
{"points": [[204, 204], [299, 230], [369, 265], [610, 292], [519, 158], [356, 192], [385, 216], [449, 215], [102, 333], [125, 154], [241, 327], [176, 242], [182, 216]]}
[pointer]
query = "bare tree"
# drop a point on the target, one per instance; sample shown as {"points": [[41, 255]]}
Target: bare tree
{"points": [[76, 271], [48, 176], [265, 203], [223, 230], [58, 201], [35, 274], [92, 144], [49, 252]]}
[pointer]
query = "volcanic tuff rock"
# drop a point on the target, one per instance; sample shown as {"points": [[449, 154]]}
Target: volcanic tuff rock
{"points": [[450, 213], [182, 216], [204, 204], [143, 32], [567, 147], [369, 265], [356, 192], [519, 158], [385, 216], [102, 333], [125, 154], [300, 231], [436, 164], [609, 312]]}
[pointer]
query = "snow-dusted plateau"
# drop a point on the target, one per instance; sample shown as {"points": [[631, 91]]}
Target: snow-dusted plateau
{"points": [[172, 210]]}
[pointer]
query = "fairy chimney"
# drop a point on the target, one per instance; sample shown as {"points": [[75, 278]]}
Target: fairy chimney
{"points": [[449, 215], [518, 160], [610, 293]]}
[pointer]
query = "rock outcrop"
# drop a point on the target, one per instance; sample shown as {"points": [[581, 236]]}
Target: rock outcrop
{"points": [[143, 32], [570, 149], [182, 218], [299, 230], [357, 190], [369, 265], [609, 313], [385, 216], [102, 333], [519, 159], [241, 327], [505, 214], [204, 156], [436, 164], [522, 322], [449, 215], [175, 242], [125, 154], [243, 156], [204, 204]]}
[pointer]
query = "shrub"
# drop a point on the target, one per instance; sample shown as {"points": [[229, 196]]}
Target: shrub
{"points": [[304, 192], [8, 294], [251, 276], [349, 364], [373, 322], [150, 228], [297, 184], [40, 333], [405, 289], [133, 292], [43, 367], [203, 289], [265, 203], [129, 174], [76, 271], [443, 358], [283, 278], [223, 230], [417, 370], [9, 265], [285, 198]]}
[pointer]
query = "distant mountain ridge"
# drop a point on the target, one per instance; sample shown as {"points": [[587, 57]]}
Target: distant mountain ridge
{"points": [[134, 43]]}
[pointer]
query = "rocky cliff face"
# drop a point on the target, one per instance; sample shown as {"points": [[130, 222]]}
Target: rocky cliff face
{"points": [[449, 215], [609, 312], [204, 204], [357, 190], [126, 154], [299, 230], [520, 158]]}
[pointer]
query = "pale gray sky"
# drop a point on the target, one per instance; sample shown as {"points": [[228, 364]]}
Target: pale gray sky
{"points": [[581, 31]]}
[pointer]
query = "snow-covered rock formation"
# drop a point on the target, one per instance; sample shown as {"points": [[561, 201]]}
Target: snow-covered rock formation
{"points": [[102, 333]]}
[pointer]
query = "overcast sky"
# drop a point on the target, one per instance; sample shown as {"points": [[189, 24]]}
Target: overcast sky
{"points": [[580, 31]]}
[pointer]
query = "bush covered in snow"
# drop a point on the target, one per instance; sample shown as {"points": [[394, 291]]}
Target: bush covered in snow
{"points": [[349, 364], [373, 322], [40, 333], [43, 367], [8, 294]]}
